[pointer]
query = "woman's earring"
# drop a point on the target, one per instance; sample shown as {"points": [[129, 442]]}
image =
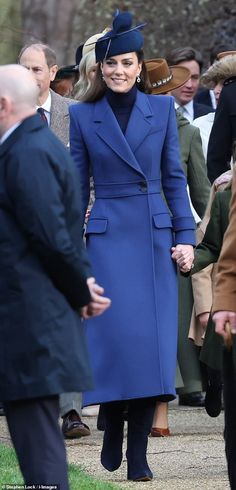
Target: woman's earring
{"points": [[138, 79]]}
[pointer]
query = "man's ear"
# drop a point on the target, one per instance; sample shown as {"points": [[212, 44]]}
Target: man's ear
{"points": [[53, 70], [5, 104]]}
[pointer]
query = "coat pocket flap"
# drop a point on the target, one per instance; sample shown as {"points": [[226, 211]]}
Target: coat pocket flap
{"points": [[162, 220], [96, 225]]}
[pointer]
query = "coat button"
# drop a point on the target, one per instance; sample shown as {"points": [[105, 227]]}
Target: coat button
{"points": [[143, 186]]}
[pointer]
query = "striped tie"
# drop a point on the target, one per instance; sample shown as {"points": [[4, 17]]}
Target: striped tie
{"points": [[181, 110]]}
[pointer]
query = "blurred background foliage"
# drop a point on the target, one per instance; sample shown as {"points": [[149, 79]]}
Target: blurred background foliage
{"points": [[64, 24]]}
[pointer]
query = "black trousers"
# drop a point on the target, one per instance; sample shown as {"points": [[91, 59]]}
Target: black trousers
{"points": [[37, 439]]}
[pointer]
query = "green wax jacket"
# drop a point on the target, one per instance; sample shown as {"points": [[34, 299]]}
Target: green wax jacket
{"points": [[208, 252]]}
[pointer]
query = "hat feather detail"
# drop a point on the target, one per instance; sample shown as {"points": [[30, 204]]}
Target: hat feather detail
{"points": [[122, 22], [123, 38]]}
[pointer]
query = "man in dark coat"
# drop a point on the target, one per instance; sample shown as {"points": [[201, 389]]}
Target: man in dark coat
{"points": [[40, 60], [44, 282], [223, 133], [184, 96]]}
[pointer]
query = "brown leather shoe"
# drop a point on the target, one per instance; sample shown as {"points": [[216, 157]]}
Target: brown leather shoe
{"points": [[158, 432], [73, 427]]}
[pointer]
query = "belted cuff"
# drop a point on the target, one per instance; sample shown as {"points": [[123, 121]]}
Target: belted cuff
{"points": [[185, 237], [183, 223]]}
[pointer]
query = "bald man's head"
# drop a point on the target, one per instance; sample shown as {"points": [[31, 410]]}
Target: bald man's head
{"points": [[18, 95], [18, 84]]}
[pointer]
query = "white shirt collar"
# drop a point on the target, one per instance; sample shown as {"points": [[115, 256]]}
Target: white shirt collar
{"points": [[47, 107], [9, 132], [47, 104]]}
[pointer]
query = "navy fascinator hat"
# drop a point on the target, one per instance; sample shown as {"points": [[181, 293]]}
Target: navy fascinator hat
{"points": [[123, 38]]}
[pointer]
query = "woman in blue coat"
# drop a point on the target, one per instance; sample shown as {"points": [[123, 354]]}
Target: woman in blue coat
{"points": [[128, 141]]}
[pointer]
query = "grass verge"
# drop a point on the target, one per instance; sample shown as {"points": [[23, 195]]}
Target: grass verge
{"points": [[10, 474]]}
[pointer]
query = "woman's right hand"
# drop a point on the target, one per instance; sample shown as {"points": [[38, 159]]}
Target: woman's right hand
{"points": [[183, 255]]}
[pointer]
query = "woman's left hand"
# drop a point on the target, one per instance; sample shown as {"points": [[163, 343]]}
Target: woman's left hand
{"points": [[183, 256]]}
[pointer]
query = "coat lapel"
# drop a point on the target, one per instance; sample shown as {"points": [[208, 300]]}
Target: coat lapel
{"points": [[140, 122], [109, 130]]}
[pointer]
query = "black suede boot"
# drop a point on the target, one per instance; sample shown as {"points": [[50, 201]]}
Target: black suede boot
{"points": [[111, 455], [141, 412], [101, 418], [213, 403]]}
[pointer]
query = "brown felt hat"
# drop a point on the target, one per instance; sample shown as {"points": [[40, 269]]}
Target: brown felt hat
{"points": [[164, 78], [225, 53]]}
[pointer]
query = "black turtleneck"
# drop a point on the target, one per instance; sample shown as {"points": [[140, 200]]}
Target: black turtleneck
{"points": [[122, 104]]}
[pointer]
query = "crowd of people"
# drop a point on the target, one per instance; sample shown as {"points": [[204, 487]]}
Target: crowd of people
{"points": [[112, 171]]}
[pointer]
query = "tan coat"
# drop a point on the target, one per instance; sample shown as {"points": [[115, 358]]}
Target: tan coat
{"points": [[224, 297]]}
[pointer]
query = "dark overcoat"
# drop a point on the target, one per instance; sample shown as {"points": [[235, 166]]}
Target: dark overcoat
{"points": [[200, 109], [203, 96], [43, 267], [223, 133], [207, 252], [129, 237]]}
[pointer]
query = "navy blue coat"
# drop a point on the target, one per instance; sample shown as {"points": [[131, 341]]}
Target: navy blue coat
{"points": [[200, 109], [203, 96], [129, 236], [43, 268]]}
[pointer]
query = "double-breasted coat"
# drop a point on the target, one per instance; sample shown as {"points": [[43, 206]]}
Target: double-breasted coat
{"points": [[129, 235], [43, 268]]}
